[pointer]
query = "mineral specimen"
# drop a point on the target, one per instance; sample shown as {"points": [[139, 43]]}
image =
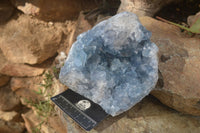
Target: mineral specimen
{"points": [[114, 64]]}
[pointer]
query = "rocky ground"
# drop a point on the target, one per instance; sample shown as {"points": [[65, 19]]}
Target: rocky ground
{"points": [[35, 38]]}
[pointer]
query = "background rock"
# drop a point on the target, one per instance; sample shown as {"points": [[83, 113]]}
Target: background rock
{"points": [[26, 88], [20, 70], [11, 127], [68, 29], [81, 25], [75, 29], [54, 124], [5, 8], [179, 64], [31, 121], [4, 80], [8, 100], [28, 40], [57, 124], [48, 9], [148, 116], [143, 7], [9, 116], [16, 69]]}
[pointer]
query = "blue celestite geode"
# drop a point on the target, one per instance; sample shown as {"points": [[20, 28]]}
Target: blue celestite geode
{"points": [[114, 64]]}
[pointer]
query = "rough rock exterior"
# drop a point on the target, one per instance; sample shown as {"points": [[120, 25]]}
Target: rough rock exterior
{"points": [[48, 9], [20, 70], [114, 64], [9, 116], [54, 124], [143, 7], [28, 40], [4, 80], [8, 100], [148, 116], [179, 63], [25, 88], [16, 69], [11, 127]]}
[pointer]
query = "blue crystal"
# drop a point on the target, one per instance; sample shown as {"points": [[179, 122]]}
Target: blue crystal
{"points": [[114, 64]]}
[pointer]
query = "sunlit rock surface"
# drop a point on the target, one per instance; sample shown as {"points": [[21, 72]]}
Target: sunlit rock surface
{"points": [[114, 64]]}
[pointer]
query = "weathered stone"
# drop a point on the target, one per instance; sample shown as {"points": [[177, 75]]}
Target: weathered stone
{"points": [[31, 121], [57, 124], [11, 127], [20, 70], [26, 88], [81, 25], [179, 65], [48, 9], [68, 29], [4, 80], [73, 30], [148, 116], [16, 69], [28, 40], [9, 116], [6, 10], [3, 60], [8, 100], [143, 7], [114, 64], [53, 125]]}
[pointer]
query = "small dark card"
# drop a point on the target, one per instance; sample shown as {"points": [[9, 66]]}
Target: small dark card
{"points": [[82, 110]]}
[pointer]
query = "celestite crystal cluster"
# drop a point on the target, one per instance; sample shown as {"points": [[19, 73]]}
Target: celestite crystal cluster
{"points": [[114, 64]]}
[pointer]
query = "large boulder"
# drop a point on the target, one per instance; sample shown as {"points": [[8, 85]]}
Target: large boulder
{"points": [[143, 7], [28, 40], [20, 70], [16, 69], [179, 63], [26, 88], [4, 80], [48, 9], [11, 127], [52, 125], [9, 116], [8, 100]]}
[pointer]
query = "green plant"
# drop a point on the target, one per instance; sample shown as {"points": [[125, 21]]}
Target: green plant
{"points": [[37, 129], [195, 28], [44, 108]]}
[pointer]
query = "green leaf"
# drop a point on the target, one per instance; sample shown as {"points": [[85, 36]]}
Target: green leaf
{"points": [[195, 28], [39, 91]]}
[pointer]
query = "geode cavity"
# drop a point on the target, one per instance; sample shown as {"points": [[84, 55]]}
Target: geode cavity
{"points": [[114, 64]]}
